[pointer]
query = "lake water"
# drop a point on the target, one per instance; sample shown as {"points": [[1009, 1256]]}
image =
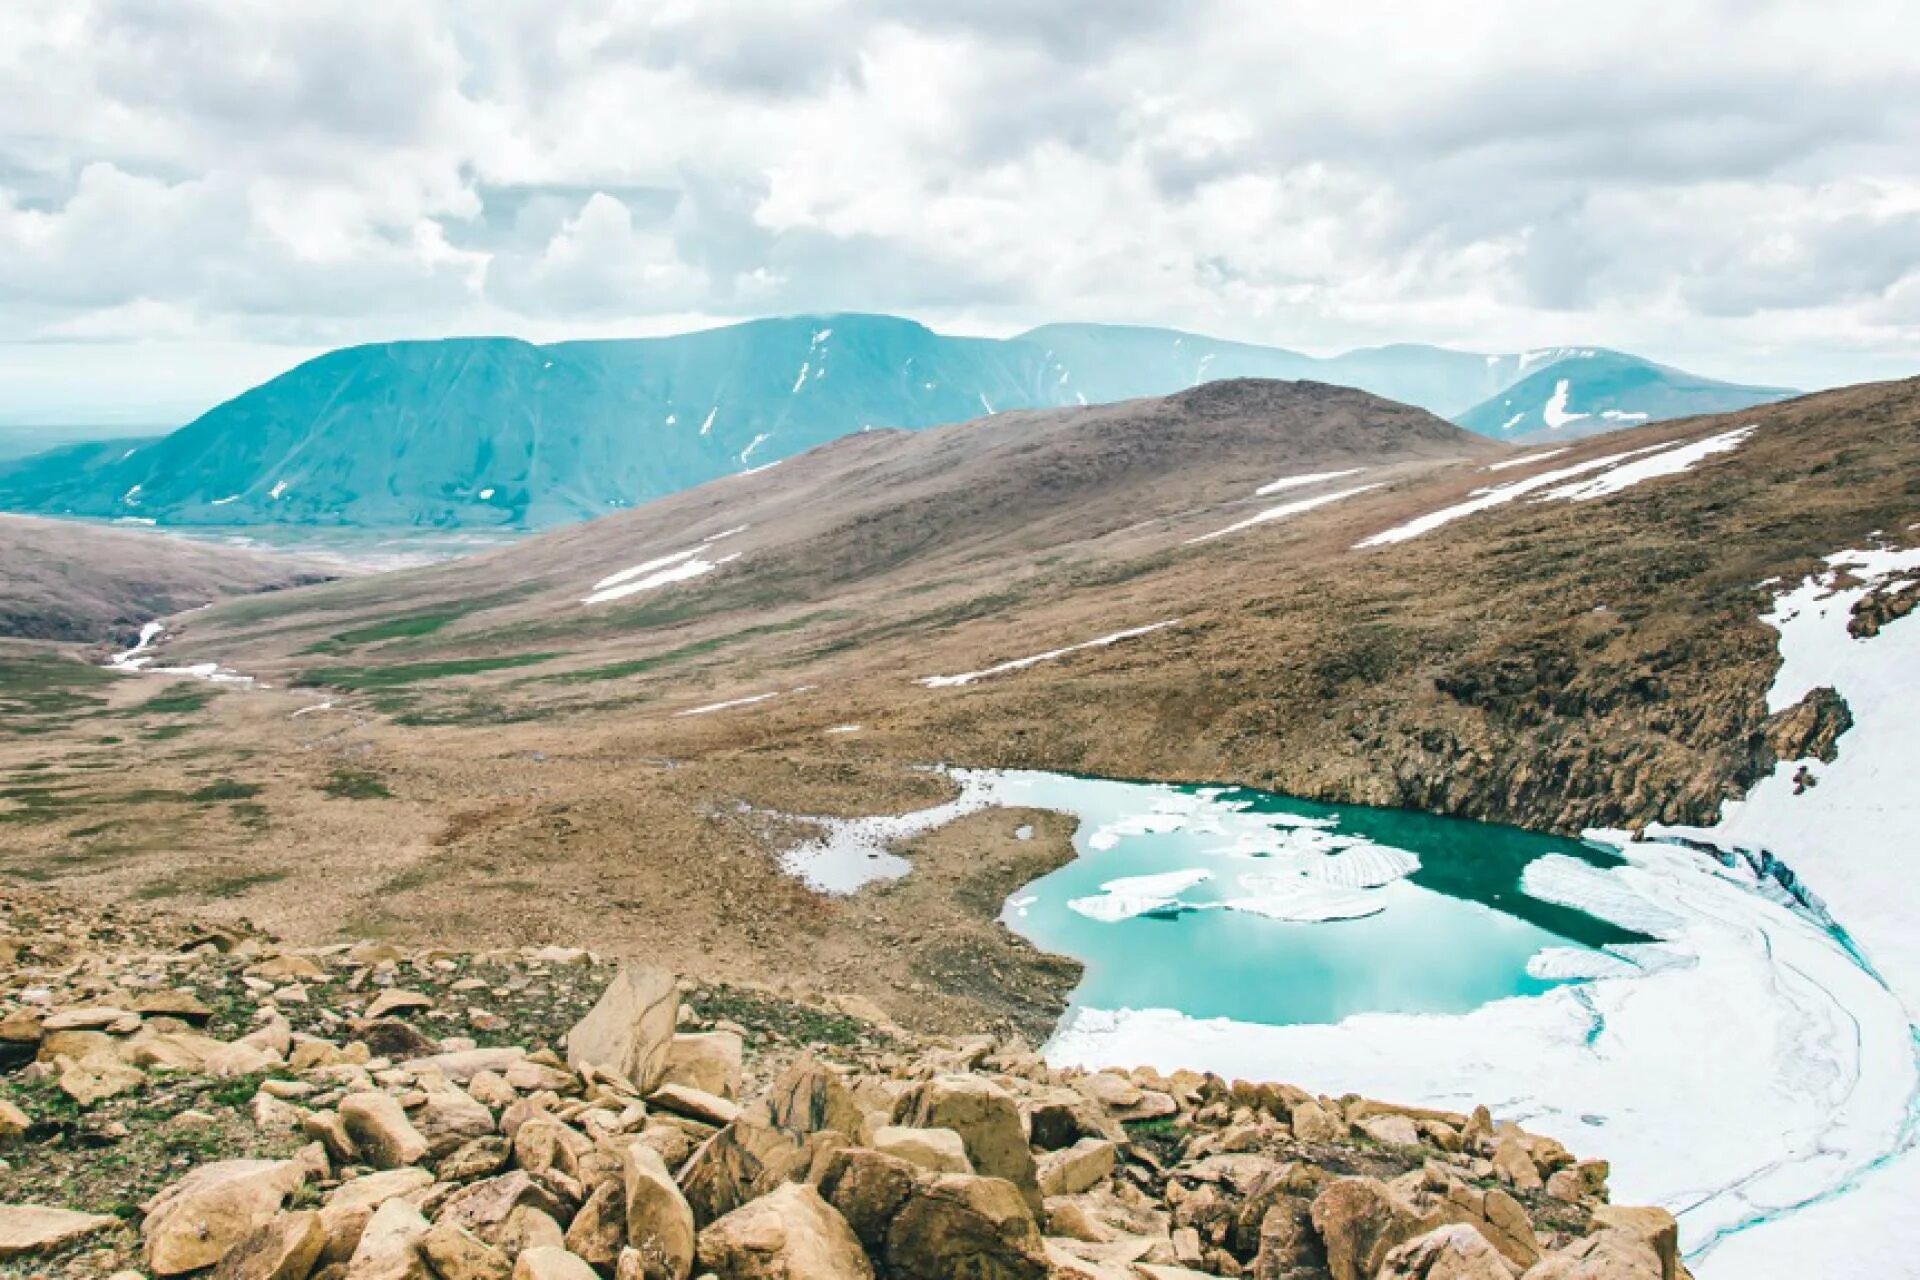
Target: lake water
{"points": [[1241, 904]]}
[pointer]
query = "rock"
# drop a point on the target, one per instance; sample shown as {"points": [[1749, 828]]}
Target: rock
{"points": [[14, 1122], [86, 1018], [529, 1228], [237, 1059], [96, 1079], [483, 1207], [1061, 1117], [449, 1118], [988, 1121], [629, 1030], [658, 1220], [32, 1228], [389, 1248], [285, 1248], [480, 1158], [542, 1143], [1287, 1245], [1084, 1165], [1452, 1252], [183, 1005], [1656, 1227], [346, 1210], [936, 1150], [1606, 1255], [327, 1129], [599, 1230], [1314, 1123], [201, 1218], [463, 1065], [748, 1158], [696, 1104], [708, 1061], [393, 1038], [956, 1224], [867, 1187], [380, 1129], [455, 1253], [1360, 1221], [546, 1262], [285, 968], [1513, 1164], [1393, 1130], [394, 1001], [788, 1234], [809, 1097]]}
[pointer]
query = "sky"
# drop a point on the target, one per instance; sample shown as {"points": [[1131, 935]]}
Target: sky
{"points": [[197, 194]]}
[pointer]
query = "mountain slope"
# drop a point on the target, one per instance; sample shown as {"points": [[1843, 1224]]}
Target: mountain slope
{"points": [[74, 582], [480, 432], [1589, 392]]}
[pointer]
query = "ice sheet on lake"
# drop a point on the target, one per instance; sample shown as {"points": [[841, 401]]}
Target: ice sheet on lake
{"points": [[1551, 964], [1302, 899], [1018, 664]]}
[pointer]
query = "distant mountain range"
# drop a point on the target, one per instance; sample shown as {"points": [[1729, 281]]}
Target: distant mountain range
{"points": [[467, 432]]}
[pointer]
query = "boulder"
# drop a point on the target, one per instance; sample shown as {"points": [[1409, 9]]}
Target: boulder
{"points": [[1393, 1130], [748, 1158], [346, 1210], [1452, 1252], [867, 1187], [1513, 1164], [214, 1209], [788, 1234], [286, 1248], [96, 1078], [545, 1262], [14, 1122], [956, 1224], [380, 1129], [629, 1030], [528, 1228], [1080, 1167], [389, 1248], [32, 1228], [1656, 1227], [1287, 1245], [936, 1150], [484, 1207], [480, 1158], [1606, 1255], [695, 1104], [1314, 1123], [708, 1061], [455, 1253], [1360, 1221], [395, 1000], [449, 1118], [809, 1097], [657, 1219], [1061, 1117], [988, 1121]]}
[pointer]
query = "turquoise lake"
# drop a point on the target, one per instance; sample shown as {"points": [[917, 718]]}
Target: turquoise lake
{"points": [[1447, 937]]}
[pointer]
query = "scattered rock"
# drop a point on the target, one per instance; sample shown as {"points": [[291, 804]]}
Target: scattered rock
{"points": [[32, 1228], [788, 1234], [628, 1032]]}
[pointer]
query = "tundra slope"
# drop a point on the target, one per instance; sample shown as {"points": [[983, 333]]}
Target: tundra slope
{"points": [[66, 581]]}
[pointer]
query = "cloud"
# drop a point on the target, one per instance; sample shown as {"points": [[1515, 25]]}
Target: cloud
{"points": [[1729, 183]]}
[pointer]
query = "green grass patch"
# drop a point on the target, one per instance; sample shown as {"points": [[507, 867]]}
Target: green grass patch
{"points": [[411, 627], [35, 690], [696, 649], [174, 702], [356, 784], [406, 673], [224, 789]]}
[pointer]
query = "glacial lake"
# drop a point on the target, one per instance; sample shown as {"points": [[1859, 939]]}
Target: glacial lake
{"points": [[1226, 902]]}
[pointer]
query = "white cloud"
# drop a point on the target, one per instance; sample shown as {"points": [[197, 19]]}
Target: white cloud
{"points": [[1729, 184]]}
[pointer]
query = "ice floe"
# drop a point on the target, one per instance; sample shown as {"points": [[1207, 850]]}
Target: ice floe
{"points": [[1284, 510], [1302, 899], [1551, 964], [1018, 664], [1130, 896]]}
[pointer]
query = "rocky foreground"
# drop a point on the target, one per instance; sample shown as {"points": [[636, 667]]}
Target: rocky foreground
{"points": [[178, 1099]]}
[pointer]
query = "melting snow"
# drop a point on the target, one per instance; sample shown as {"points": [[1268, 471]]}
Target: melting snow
{"points": [[131, 496], [755, 443], [1017, 664], [1620, 415], [801, 381], [1555, 413], [986, 404], [1302, 481], [1513, 422], [221, 502], [1526, 460], [843, 728], [1670, 463], [728, 705], [279, 488], [707, 426], [1282, 512], [678, 566], [131, 657], [1486, 499], [486, 494]]}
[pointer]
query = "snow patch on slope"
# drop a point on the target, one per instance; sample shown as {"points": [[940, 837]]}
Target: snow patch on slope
{"points": [[1017, 664]]}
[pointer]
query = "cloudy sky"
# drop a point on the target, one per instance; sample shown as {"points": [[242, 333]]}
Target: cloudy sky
{"points": [[198, 193]]}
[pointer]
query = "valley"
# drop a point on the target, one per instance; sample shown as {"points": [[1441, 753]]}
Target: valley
{"points": [[702, 732]]}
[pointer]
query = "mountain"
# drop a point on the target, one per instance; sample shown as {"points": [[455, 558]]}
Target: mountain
{"points": [[68, 581], [479, 432], [1586, 392]]}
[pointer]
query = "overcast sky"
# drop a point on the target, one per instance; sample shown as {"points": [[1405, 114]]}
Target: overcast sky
{"points": [[194, 194]]}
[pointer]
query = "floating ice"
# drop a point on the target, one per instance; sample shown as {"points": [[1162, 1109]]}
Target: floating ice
{"points": [[1569, 963], [1131, 896], [1302, 900]]}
